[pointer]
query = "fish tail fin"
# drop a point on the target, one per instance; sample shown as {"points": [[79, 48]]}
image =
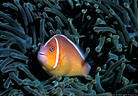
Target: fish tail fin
{"points": [[87, 68]]}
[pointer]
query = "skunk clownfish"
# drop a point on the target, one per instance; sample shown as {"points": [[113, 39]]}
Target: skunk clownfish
{"points": [[60, 56]]}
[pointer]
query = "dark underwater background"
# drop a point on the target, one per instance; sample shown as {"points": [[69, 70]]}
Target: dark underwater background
{"points": [[106, 30]]}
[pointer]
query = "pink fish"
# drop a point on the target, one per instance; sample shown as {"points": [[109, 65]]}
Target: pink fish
{"points": [[60, 56]]}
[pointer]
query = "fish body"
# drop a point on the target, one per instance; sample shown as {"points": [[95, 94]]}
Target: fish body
{"points": [[60, 56]]}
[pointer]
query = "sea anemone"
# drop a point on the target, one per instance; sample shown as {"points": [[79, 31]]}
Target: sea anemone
{"points": [[106, 29]]}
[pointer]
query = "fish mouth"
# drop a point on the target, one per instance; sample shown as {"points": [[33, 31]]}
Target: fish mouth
{"points": [[40, 53]]}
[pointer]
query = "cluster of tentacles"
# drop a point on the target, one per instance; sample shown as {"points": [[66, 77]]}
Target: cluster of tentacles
{"points": [[106, 29]]}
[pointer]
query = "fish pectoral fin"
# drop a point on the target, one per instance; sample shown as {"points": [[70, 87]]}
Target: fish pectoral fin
{"points": [[66, 66]]}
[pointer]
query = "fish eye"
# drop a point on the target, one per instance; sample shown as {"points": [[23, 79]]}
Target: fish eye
{"points": [[52, 48]]}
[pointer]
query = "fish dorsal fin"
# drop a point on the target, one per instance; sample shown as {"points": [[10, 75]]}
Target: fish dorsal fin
{"points": [[75, 46]]}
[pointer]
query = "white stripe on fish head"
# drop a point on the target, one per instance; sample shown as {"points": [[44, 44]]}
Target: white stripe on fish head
{"points": [[49, 40], [57, 55]]}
